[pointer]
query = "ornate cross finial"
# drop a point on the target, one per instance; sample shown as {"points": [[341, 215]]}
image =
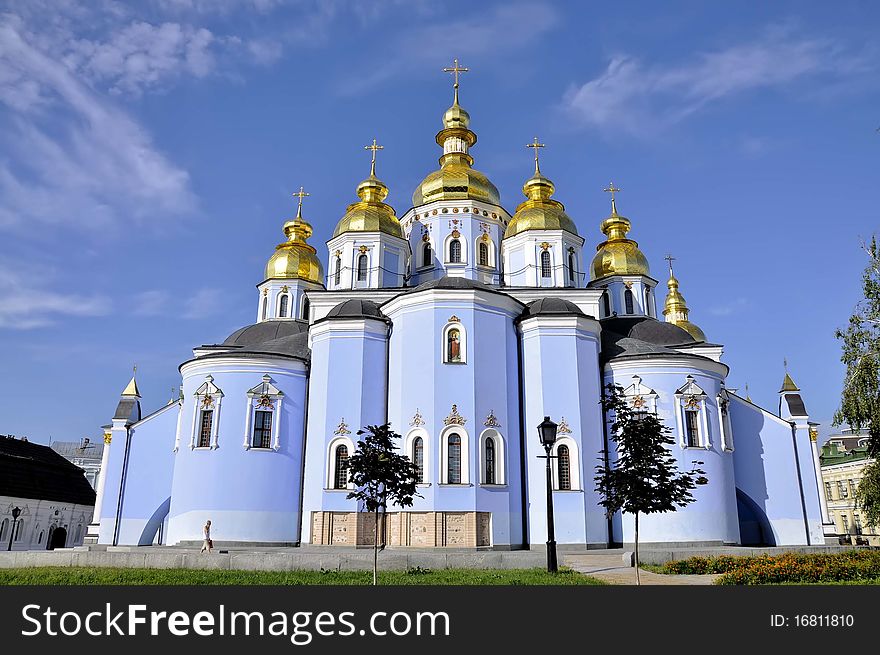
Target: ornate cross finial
{"points": [[612, 190], [536, 146], [301, 194], [374, 147], [134, 371], [669, 258], [785, 364], [455, 69]]}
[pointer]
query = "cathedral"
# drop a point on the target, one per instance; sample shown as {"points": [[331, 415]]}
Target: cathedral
{"points": [[462, 325]]}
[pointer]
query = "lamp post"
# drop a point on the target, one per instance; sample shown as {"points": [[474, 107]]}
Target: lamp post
{"points": [[16, 512], [547, 433]]}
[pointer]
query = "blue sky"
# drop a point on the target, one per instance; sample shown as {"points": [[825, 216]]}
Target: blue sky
{"points": [[148, 152]]}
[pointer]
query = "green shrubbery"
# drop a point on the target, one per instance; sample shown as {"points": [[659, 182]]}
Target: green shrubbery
{"points": [[788, 568]]}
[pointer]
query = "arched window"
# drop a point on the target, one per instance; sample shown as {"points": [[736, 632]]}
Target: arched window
{"points": [[4, 527], [571, 266], [337, 274], [453, 460], [283, 305], [453, 345], [490, 460], [418, 458], [628, 301], [455, 251], [427, 255], [78, 533], [648, 301], [305, 308], [362, 268], [563, 465], [606, 302], [484, 254], [40, 539], [546, 270], [265, 311], [340, 467], [18, 530]]}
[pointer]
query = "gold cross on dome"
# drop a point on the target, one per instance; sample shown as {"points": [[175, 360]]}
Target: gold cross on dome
{"points": [[670, 259], [612, 190], [455, 69], [374, 147], [536, 146], [301, 194]]}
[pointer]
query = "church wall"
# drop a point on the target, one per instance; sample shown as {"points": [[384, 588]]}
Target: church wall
{"points": [[709, 518], [346, 393], [766, 472], [483, 389], [249, 495], [561, 372], [147, 479]]}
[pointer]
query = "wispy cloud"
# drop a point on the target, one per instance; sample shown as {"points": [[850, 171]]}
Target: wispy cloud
{"points": [[205, 303], [733, 306], [150, 303], [640, 97], [26, 305]]}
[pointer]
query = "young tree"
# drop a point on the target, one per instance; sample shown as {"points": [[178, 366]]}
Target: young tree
{"points": [[645, 478], [860, 400], [867, 495], [379, 475]]}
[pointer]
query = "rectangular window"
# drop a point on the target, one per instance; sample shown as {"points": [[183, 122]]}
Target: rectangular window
{"points": [[262, 429], [852, 486], [691, 422], [845, 524], [858, 523], [205, 428], [828, 495], [842, 491]]}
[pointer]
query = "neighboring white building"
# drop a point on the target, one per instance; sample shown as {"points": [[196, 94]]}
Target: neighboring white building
{"points": [[86, 454], [54, 498]]}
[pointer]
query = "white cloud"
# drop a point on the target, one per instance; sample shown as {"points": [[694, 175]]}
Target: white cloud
{"points": [[150, 303], [203, 304], [72, 156], [733, 306], [25, 305], [639, 98]]}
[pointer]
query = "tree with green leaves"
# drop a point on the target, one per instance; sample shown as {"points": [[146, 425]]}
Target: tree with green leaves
{"points": [[380, 475], [867, 495], [644, 479], [860, 400]]}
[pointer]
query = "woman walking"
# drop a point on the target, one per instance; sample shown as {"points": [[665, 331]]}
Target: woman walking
{"points": [[207, 544]]}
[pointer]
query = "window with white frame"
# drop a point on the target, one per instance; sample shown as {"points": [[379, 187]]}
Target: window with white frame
{"points": [[454, 343], [724, 425], [264, 410], [337, 270], [565, 465], [546, 266], [362, 267], [206, 415], [418, 458], [306, 305], [492, 469], [454, 456], [628, 302], [571, 265], [693, 428], [427, 255], [338, 452], [265, 310], [483, 251], [455, 251], [416, 449], [4, 528], [606, 303], [283, 305]]}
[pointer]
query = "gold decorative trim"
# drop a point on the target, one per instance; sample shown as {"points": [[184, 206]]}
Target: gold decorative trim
{"points": [[265, 401], [417, 420], [544, 245], [455, 234], [363, 249], [491, 420], [454, 417], [342, 428], [454, 319], [814, 434], [108, 437], [563, 427], [692, 402]]}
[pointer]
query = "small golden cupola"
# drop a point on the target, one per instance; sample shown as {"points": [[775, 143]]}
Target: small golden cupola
{"points": [[456, 179], [617, 255], [539, 211], [676, 310], [295, 259], [370, 213]]}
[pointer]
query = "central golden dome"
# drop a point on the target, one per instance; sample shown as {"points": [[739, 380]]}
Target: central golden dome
{"points": [[540, 211], [618, 255], [456, 179], [295, 259]]}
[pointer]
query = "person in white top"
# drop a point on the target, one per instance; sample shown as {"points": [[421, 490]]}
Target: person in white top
{"points": [[207, 544]]}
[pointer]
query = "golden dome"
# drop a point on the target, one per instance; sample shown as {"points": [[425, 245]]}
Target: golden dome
{"points": [[370, 214], [676, 310], [540, 211], [295, 259], [618, 255]]}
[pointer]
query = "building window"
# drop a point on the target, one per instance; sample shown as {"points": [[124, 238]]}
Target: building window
{"points": [[852, 487], [842, 491], [691, 422], [4, 527], [340, 467], [453, 460], [628, 301], [262, 429], [571, 266], [418, 458], [648, 301], [828, 491], [546, 270], [40, 538], [453, 345], [205, 426], [427, 255], [337, 275], [305, 309], [857, 521], [490, 460], [563, 466], [265, 311], [845, 520], [455, 251], [606, 302], [362, 268], [484, 254], [18, 530], [283, 305]]}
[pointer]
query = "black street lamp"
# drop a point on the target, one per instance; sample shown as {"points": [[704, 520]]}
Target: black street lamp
{"points": [[547, 433], [16, 512]]}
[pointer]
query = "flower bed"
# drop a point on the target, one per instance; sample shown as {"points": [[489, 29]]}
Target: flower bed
{"points": [[790, 567]]}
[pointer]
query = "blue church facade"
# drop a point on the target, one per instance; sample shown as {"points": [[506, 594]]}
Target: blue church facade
{"points": [[462, 325]]}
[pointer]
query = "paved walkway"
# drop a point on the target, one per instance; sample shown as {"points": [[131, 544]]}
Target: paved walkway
{"points": [[607, 565]]}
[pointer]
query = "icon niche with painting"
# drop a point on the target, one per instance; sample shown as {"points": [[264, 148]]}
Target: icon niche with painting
{"points": [[453, 346]]}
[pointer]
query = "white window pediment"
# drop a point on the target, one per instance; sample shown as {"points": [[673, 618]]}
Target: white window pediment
{"points": [[641, 397], [691, 415], [690, 388], [208, 398], [264, 397]]}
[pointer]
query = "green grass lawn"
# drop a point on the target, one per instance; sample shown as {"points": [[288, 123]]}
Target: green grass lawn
{"points": [[119, 576]]}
